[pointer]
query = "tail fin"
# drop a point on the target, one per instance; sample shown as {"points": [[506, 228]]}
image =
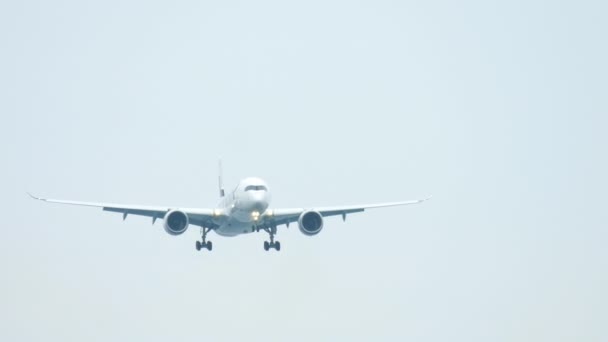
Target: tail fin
{"points": [[220, 178]]}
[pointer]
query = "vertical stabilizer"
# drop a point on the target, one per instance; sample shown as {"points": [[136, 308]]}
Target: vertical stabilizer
{"points": [[220, 178]]}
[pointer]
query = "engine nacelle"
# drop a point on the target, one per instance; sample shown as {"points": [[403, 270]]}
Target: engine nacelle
{"points": [[310, 223], [176, 222]]}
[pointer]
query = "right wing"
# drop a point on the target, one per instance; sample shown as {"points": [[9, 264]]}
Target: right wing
{"points": [[196, 216], [287, 216]]}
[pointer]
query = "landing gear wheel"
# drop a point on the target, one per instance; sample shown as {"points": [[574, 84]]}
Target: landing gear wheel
{"points": [[271, 244], [204, 243]]}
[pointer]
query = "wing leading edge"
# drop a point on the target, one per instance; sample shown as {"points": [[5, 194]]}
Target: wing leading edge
{"points": [[287, 216], [204, 217], [199, 217]]}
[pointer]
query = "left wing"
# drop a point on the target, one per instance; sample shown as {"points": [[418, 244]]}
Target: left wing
{"points": [[287, 216], [196, 216]]}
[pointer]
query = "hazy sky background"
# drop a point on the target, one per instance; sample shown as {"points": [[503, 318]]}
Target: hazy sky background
{"points": [[498, 109]]}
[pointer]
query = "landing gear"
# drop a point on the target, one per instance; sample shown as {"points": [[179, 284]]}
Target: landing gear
{"points": [[204, 244], [208, 245], [272, 244]]}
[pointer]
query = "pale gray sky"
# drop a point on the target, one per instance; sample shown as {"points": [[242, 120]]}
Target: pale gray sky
{"points": [[498, 109]]}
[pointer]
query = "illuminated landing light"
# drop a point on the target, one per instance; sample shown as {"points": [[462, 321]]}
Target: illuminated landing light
{"points": [[217, 212], [255, 215]]}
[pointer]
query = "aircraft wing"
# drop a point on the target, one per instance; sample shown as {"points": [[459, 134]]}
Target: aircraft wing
{"points": [[287, 216], [196, 216]]}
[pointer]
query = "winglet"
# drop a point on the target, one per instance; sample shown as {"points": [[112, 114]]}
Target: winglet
{"points": [[424, 199], [34, 197]]}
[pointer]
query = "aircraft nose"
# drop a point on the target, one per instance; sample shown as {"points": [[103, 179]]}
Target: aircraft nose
{"points": [[257, 197], [258, 201]]}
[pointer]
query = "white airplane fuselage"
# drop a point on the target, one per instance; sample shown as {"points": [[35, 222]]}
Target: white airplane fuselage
{"points": [[242, 207]]}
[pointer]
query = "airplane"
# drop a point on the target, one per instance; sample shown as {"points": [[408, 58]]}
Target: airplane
{"points": [[244, 210]]}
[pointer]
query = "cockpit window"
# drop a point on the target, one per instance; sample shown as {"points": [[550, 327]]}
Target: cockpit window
{"points": [[255, 187]]}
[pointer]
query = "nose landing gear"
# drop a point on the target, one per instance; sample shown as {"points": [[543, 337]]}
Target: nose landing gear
{"points": [[272, 244], [204, 243]]}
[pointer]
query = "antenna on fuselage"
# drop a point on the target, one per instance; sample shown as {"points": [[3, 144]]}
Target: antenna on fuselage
{"points": [[220, 180]]}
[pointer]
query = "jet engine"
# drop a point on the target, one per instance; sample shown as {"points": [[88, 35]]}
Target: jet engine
{"points": [[310, 223], [176, 222]]}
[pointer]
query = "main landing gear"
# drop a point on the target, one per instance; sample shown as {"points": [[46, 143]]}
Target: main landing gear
{"points": [[204, 243], [272, 244]]}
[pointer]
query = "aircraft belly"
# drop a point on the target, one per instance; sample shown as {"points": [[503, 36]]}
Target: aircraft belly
{"points": [[233, 228], [241, 216]]}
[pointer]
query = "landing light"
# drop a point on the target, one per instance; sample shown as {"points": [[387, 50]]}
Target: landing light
{"points": [[255, 215]]}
